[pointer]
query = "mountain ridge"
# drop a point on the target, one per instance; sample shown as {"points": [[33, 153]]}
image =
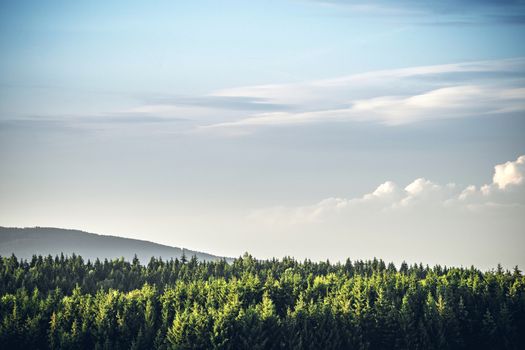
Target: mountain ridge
{"points": [[28, 241]]}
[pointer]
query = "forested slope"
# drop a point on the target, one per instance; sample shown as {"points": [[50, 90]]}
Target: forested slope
{"points": [[57, 302]]}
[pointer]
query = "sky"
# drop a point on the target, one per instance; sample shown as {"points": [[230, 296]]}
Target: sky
{"points": [[305, 128]]}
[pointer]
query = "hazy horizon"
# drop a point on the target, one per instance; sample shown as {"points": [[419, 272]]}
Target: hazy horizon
{"points": [[309, 128]]}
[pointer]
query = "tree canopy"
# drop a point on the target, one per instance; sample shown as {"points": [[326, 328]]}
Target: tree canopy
{"points": [[68, 303]]}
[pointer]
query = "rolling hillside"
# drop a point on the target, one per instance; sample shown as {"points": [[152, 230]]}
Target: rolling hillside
{"points": [[24, 242]]}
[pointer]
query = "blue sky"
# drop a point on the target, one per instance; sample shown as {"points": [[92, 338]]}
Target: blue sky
{"points": [[224, 126]]}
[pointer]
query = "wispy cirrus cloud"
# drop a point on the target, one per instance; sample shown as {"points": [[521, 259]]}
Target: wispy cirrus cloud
{"points": [[448, 12], [390, 97], [86, 122], [243, 103]]}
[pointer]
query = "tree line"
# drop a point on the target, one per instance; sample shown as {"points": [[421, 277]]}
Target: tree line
{"points": [[67, 303]]}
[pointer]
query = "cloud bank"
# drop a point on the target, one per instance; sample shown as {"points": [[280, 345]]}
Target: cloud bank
{"points": [[421, 220], [421, 196]]}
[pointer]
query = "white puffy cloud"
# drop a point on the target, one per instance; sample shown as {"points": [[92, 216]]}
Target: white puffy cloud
{"points": [[506, 190], [420, 186], [384, 190], [510, 173]]}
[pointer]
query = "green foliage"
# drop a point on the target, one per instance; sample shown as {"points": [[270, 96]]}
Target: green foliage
{"points": [[67, 303]]}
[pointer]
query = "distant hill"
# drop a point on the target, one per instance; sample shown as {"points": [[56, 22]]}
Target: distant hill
{"points": [[24, 242]]}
